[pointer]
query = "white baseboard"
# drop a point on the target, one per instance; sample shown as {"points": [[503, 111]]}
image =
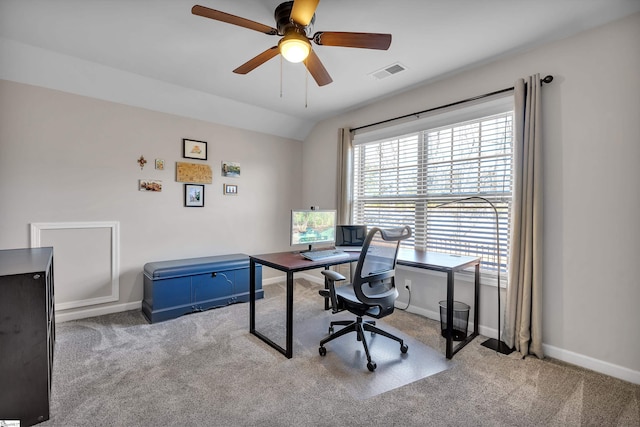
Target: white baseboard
{"points": [[587, 362], [281, 279], [312, 278], [71, 314], [567, 356], [274, 280], [434, 315], [65, 316]]}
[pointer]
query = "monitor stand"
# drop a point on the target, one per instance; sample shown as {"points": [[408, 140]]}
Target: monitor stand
{"points": [[306, 250], [301, 251], [310, 249]]}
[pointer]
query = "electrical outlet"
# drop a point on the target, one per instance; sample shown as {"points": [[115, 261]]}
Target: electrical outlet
{"points": [[407, 284]]}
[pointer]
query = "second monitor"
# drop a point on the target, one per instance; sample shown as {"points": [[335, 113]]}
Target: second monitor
{"points": [[350, 237]]}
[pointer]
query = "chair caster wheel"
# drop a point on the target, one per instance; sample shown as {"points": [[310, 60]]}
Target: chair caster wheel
{"points": [[404, 348], [372, 366], [322, 351]]}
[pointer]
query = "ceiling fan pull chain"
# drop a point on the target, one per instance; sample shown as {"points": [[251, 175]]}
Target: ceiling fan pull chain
{"points": [[306, 87], [280, 76]]}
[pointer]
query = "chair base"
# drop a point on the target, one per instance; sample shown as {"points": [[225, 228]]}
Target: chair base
{"points": [[359, 326]]}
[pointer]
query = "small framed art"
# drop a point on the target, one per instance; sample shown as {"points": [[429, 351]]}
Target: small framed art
{"points": [[192, 149], [230, 190], [194, 195], [230, 169], [149, 185]]}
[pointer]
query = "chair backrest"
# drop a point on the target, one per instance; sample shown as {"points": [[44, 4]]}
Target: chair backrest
{"points": [[373, 282]]}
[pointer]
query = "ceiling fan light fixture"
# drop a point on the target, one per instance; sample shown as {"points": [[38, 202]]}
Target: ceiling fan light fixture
{"points": [[294, 47], [294, 24]]}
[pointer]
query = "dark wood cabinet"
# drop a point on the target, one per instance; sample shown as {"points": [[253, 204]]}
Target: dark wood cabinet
{"points": [[27, 334]]}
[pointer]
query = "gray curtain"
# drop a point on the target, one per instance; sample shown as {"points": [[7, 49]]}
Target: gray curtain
{"points": [[523, 311], [345, 167]]}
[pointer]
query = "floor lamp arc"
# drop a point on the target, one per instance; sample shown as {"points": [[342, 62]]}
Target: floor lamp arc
{"points": [[492, 343]]}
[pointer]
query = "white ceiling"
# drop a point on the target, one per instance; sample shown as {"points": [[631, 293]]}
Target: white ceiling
{"points": [[163, 41]]}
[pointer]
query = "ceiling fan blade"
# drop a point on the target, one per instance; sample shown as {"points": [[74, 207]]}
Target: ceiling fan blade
{"points": [[257, 61], [317, 70], [360, 40], [303, 10], [232, 19]]}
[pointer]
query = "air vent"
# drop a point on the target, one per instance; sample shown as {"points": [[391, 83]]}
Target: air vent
{"points": [[388, 71]]}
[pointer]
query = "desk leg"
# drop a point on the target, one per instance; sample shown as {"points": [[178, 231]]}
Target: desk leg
{"points": [[289, 345], [288, 349], [449, 349], [252, 296], [476, 302], [476, 313]]}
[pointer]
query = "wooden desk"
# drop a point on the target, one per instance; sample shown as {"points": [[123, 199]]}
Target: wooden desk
{"points": [[290, 263]]}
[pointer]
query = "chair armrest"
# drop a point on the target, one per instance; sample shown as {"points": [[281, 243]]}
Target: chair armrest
{"points": [[333, 276]]}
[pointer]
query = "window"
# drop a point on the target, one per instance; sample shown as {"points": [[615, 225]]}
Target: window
{"points": [[403, 179]]}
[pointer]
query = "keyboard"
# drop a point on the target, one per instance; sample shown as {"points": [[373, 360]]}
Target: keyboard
{"points": [[322, 255], [349, 248]]}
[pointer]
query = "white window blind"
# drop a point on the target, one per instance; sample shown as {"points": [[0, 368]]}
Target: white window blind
{"points": [[400, 180]]}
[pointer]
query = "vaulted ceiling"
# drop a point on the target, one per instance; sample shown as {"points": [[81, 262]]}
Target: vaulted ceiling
{"points": [[154, 52]]}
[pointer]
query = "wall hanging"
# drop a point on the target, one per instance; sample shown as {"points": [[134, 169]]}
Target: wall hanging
{"points": [[150, 185], [142, 162], [192, 172], [230, 169], [192, 149], [194, 195], [230, 190]]}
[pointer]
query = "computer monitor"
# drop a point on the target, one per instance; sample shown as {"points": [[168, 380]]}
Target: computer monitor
{"points": [[350, 237], [313, 227]]}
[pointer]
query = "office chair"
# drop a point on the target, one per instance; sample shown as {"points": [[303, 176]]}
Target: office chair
{"points": [[372, 292]]}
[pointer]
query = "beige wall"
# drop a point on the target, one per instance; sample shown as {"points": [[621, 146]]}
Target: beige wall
{"points": [[68, 158], [591, 203]]}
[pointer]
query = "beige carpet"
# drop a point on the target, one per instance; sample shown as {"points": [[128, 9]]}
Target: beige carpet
{"points": [[205, 369]]}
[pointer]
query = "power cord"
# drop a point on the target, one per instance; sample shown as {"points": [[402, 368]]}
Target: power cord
{"points": [[409, 301]]}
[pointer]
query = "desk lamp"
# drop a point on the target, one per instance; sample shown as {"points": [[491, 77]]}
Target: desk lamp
{"points": [[492, 343]]}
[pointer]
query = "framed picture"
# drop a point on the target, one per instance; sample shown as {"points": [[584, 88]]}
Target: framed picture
{"points": [[159, 164], [230, 190], [192, 149], [230, 169], [194, 195], [149, 185]]}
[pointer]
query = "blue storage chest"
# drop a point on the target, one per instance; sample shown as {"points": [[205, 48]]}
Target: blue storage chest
{"points": [[177, 287]]}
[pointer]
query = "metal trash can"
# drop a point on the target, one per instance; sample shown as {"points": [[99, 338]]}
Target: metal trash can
{"points": [[460, 320]]}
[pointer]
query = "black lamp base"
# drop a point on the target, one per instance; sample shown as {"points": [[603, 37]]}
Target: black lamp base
{"points": [[498, 346]]}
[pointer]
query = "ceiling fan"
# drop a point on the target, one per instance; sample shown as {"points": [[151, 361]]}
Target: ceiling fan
{"points": [[294, 22]]}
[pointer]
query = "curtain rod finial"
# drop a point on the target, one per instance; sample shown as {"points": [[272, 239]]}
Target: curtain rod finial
{"points": [[547, 79]]}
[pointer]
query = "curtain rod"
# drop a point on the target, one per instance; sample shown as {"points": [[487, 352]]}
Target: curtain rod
{"points": [[546, 79]]}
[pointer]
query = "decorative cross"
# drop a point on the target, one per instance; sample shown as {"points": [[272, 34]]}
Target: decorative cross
{"points": [[142, 162]]}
